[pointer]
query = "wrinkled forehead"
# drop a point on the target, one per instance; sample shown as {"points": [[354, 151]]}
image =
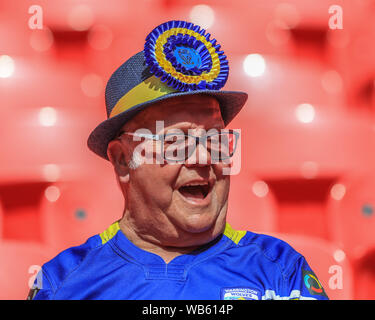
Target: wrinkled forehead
{"points": [[185, 111]]}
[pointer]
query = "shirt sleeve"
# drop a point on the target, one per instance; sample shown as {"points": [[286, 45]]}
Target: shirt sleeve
{"points": [[42, 288], [303, 284]]}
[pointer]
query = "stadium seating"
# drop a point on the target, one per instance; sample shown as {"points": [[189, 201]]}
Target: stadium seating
{"points": [[351, 223], [285, 130], [328, 262], [365, 276], [308, 124], [44, 122], [1, 219], [20, 261], [351, 214], [350, 46], [301, 204], [251, 205], [73, 211], [20, 201]]}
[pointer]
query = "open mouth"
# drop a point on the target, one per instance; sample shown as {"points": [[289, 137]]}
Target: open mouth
{"points": [[195, 191]]}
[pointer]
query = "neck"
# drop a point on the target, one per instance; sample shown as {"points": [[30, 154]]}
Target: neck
{"points": [[149, 243], [152, 241]]}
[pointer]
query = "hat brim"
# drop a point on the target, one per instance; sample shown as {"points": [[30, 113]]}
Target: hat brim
{"points": [[231, 102]]}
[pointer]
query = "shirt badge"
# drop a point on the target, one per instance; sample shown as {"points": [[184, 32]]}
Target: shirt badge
{"points": [[312, 283], [240, 294]]}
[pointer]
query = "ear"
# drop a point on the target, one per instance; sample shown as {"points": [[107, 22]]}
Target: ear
{"points": [[117, 157]]}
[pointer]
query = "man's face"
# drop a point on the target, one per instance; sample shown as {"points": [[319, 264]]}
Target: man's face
{"points": [[179, 204]]}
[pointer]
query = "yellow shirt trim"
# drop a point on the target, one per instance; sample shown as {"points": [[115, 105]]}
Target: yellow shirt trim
{"points": [[110, 232], [232, 234]]}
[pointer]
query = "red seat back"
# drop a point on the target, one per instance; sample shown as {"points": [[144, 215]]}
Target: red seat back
{"points": [[327, 261]]}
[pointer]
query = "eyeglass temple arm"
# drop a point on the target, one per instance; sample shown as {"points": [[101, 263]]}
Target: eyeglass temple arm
{"points": [[141, 135]]}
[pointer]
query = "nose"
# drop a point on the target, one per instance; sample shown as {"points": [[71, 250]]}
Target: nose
{"points": [[201, 157]]}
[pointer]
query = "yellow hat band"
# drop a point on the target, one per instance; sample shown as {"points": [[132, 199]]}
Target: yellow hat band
{"points": [[149, 89]]}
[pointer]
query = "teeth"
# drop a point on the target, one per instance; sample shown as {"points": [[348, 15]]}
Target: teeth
{"points": [[195, 184]]}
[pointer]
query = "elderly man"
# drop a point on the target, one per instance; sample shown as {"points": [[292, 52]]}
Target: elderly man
{"points": [[166, 139]]}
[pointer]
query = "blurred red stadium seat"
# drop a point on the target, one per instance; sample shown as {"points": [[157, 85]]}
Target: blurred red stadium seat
{"points": [[1, 220], [20, 261], [48, 123], [80, 16], [365, 276], [21, 217], [335, 142], [251, 205], [300, 124], [353, 46], [301, 204], [14, 39], [351, 214], [44, 83], [327, 261], [291, 81], [73, 211]]}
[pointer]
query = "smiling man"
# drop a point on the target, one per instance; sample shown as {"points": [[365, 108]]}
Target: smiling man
{"points": [[176, 207], [173, 241]]}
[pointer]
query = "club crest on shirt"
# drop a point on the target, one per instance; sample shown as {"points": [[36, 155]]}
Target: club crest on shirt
{"points": [[312, 283], [240, 294]]}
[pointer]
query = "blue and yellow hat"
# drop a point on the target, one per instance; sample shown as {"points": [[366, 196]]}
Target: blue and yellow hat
{"points": [[178, 59]]}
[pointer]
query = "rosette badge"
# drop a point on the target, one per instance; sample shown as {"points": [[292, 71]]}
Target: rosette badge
{"points": [[184, 57]]}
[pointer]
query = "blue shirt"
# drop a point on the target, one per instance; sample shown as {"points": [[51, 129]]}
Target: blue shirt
{"points": [[236, 265]]}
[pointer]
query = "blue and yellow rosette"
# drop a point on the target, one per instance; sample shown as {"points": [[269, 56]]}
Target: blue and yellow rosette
{"points": [[184, 57]]}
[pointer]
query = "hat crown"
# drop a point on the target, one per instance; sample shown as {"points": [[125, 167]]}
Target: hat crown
{"points": [[131, 73]]}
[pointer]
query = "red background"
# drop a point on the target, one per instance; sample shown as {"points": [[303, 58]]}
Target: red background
{"points": [[306, 171]]}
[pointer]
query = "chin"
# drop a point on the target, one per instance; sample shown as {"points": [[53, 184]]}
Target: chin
{"points": [[203, 223]]}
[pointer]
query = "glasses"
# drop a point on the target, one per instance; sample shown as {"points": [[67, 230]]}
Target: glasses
{"points": [[180, 146]]}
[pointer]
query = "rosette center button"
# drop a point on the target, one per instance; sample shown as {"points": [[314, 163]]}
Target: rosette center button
{"points": [[188, 57]]}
